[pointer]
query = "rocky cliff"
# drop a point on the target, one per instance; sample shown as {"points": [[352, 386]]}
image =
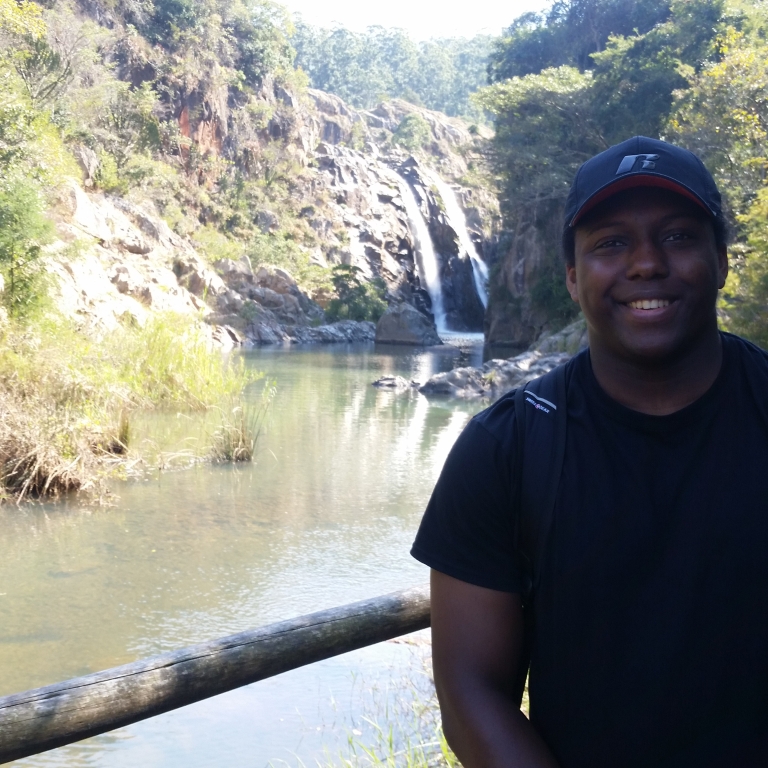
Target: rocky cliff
{"points": [[116, 257]]}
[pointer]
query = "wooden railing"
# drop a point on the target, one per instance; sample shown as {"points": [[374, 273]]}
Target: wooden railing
{"points": [[49, 717]]}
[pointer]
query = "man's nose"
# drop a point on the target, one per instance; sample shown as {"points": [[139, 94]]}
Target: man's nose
{"points": [[647, 260]]}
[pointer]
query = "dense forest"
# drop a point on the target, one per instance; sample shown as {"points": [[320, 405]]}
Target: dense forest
{"points": [[367, 68]]}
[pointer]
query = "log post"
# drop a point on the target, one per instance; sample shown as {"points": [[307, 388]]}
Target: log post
{"points": [[49, 717]]}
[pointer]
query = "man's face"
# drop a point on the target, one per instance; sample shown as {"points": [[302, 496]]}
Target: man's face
{"points": [[646, 274]]}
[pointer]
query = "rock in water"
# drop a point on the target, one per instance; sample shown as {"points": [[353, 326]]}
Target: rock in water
{"points": [[404, 324], [495, 377], [397, 383]]}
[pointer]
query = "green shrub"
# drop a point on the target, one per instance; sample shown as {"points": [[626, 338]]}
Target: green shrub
{"points": [[413, 132], [355, 299], [24, 231], [744, 299]]}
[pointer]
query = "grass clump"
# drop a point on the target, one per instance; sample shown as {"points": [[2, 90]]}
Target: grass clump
{"points": [[241, 424], [66, 398]]}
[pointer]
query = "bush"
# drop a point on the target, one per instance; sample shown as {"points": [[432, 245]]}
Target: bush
{"points": [[413, 132], [355, 299], [745, 296], [23, 232]]}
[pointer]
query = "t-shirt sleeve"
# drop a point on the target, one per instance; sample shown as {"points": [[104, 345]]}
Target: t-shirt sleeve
{"points": [[468, 528]]}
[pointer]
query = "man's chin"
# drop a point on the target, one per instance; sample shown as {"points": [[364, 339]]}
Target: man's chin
{"points": [[645, 349]]}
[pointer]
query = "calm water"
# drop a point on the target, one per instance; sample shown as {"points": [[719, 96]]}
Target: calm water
{"points": [[324, 516]]}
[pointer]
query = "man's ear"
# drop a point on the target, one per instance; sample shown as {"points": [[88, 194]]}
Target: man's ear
{"points": [[722, 264], [570, 281]]}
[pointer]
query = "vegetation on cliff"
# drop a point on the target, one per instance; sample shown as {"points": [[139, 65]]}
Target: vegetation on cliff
{"points": [[585, 75]]}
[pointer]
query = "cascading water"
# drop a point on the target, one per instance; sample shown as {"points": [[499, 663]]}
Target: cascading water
{"points": [[426, 258], [458, 222]]}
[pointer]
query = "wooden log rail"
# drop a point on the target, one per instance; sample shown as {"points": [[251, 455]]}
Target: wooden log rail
{"points": [[42, 719]]}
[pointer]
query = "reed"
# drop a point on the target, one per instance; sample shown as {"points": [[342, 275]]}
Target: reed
{"points": [[241, 424], [66, 397], [400, 727]]}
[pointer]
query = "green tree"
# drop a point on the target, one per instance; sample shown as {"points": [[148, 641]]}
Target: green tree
{"points": [[745, 296], [569, 33], [545, 129], [413, 133], [723, 117], [366, 68], [43, 70], [355, 298], [21, 18], [636, 77]]}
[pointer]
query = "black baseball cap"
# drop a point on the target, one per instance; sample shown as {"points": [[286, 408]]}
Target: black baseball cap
{"points": [[641, 162]]}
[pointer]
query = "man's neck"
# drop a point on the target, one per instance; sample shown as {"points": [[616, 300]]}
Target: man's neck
{"points": [[659, 388]]}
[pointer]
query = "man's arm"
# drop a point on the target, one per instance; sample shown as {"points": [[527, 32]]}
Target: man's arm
{"points": [[477, 636]]}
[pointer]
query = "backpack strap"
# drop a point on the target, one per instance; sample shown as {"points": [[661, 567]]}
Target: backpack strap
{"points": [[540, 417]]}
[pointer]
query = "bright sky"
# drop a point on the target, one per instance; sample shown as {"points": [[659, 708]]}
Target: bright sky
{"points": [[422, 19]]}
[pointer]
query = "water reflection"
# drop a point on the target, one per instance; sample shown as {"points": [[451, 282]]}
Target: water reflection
{"points": [[323, 517]]}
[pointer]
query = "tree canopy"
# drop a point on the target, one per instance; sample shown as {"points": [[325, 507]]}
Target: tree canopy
{"points": [[369, 67], [591, 73]]}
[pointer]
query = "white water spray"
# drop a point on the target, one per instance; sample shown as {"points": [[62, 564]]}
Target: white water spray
{"points": [[458, 221], [426, 258]]}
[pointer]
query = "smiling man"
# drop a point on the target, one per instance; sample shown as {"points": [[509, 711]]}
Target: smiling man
{"points": [[648, 621]]}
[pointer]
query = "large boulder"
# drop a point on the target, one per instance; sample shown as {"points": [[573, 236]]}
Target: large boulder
{"points": [[404, 324]]}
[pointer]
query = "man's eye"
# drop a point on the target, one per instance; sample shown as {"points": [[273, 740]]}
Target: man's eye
{"points": [[610, 243], [676, 237]]}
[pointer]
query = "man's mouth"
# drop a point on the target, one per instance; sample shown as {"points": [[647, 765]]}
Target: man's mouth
{"points": [[648, 304]]}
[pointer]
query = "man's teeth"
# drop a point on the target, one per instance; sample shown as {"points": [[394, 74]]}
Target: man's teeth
{"points": [[649, 304]]}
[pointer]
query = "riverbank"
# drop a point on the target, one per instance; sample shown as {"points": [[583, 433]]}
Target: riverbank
{"points": [[67, 399]]}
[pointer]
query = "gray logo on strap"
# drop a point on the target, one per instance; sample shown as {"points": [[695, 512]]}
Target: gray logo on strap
{"points": [[628, 163]]}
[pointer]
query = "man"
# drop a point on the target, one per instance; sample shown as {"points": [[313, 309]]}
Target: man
{"points": [[650, 640]]}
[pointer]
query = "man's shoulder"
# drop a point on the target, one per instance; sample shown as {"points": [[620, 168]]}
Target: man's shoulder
{"points": [[498, 418], [754, 357]]}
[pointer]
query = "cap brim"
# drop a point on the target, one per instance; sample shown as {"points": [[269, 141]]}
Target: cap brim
{"points": [[638, 180]]}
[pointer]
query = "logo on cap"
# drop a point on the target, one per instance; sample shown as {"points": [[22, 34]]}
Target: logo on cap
{"points": [[628, 163]]}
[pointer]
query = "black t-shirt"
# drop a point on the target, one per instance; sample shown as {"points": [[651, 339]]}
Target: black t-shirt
{"points": [[651, 640]]}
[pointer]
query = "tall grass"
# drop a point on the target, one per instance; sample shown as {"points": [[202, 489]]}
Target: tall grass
{"points": [[408, 733], [241, 424], [400, 727], [66, 397]]}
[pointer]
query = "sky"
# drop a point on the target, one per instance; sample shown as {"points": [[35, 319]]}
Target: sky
{"points": [[422, 19]]}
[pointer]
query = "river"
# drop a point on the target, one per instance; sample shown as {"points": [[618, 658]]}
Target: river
{"points": [[324, 516]]}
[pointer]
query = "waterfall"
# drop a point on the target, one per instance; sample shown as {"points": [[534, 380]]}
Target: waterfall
{"points": [[458, 222], [426, 258]]}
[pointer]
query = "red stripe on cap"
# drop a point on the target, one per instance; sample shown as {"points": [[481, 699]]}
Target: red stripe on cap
{"points": [[637, 180]]}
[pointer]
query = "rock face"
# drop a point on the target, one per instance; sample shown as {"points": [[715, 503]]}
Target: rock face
{"points": [[532, 245], [116, 260], [404, 324], [129, 262]]}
